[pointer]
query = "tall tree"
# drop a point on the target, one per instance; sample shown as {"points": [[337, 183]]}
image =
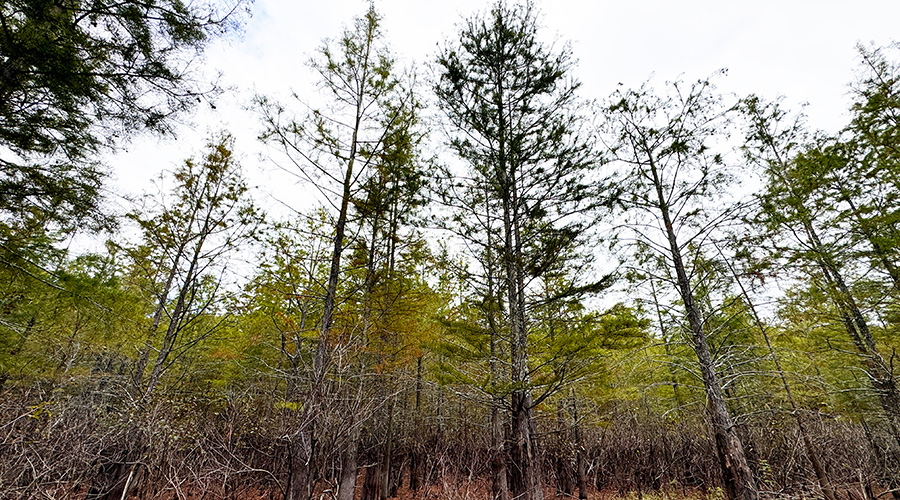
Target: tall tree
{"points": [[336, 149], [796, 411], [513, 118], [671, 170], [862, 168], [392, 288]]}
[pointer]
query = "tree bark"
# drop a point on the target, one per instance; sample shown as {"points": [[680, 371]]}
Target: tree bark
{"points": [[565, 476], [388, 456], [320, 359], [349, 465], [299, 479], [416, 464], [581, 473], [372, 482], [527, 482], [499, 472], [526, 468]]}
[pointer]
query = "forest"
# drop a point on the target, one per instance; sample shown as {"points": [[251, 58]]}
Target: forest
{"points": [[506, 290]]}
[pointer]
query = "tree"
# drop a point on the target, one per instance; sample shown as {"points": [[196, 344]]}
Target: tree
{"points": [[63, 318], [514, 120], [181, 260], [78, 76], [801, 212], [671, 169], [288, 291], [860, 169], [796, 411], [337, 149]]}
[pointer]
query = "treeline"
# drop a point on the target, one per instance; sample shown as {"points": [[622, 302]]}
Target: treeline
{"points": [[443, 323]]}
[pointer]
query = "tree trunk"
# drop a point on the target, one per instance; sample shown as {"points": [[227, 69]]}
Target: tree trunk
{"points": [[176, 319], [527, 475], [581, 473], [565, 476], [415, 472], [499, 472], [372, 482], [416, 464], [311, 409], [349, 466], [396, 477], [299, 479], [388, 453], [138, 376], [499, 484], [880, 374], [527, 483]]}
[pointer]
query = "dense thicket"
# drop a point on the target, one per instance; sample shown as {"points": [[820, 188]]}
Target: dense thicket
{"points": [[442, 325]]}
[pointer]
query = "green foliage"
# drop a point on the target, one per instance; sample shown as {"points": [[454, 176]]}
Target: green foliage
{"points": [[73, 322], [518, 124], [336, 148], [524, 209], [499, 323], [828, 208], [569, 347], [181, 262], [77, 76]]}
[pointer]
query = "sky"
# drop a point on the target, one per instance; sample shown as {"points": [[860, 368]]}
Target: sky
{"points": [[802, 50]]}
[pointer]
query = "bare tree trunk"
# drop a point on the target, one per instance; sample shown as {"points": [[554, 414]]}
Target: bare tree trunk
{"points": [[499, 483], [299, 479], [166, 348], [416, 464], [880, 373], [527, 474], [349, 472], [138, 376], [526, 467], [372, 482], [499, 472], [185, 297], [388, 452], [565, 476], [349, 465], [581, 473], [320, 359]]}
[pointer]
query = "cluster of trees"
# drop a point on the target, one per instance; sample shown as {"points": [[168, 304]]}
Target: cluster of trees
{"points": [[756, 263]]}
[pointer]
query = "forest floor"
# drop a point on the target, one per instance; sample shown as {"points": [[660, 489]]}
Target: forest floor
{"points": [[455, 488], [479, 489]]}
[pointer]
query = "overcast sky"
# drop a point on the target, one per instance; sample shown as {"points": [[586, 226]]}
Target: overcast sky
{"points": [[803, 50]]}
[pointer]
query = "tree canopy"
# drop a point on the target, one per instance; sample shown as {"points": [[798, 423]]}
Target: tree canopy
{"points": [[79, 76]]}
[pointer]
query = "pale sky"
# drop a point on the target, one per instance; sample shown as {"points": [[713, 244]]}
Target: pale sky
{"points": [[803, 50]]}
